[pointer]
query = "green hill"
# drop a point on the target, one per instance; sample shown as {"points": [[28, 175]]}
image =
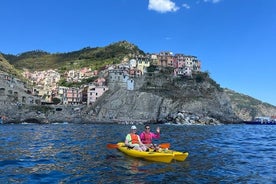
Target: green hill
{"points": [[95, 58], [6, 67]]}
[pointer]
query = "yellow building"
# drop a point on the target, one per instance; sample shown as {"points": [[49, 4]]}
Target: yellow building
{"points": [[142, 65]]}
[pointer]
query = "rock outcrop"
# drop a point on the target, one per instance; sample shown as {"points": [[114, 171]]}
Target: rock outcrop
{"points": [[162, 98]]}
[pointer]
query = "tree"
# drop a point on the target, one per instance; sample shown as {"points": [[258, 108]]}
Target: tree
{"points": [[56, 101]]}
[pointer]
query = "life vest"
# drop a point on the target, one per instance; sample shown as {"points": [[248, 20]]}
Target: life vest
{"points": [[134, 138], [147, 138]]}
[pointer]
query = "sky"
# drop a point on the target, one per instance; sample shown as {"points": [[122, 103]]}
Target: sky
{"points": [[235, 40]]}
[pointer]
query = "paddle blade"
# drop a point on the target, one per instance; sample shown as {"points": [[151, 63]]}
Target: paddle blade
{"points": [[112, 146], [165, 145]]}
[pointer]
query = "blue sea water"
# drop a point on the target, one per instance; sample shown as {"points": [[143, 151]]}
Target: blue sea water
{"points": [[77, 153]]}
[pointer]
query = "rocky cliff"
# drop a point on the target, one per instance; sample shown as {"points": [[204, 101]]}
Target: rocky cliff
{"points": [[159, 97], [247, 107]]}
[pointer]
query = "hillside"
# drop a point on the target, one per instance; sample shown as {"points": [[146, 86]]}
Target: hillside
{"points": [[95, 58], [6, 67], [247, 107]]}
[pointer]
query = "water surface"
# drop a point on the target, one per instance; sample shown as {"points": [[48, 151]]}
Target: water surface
{"points": [[77, 153]]}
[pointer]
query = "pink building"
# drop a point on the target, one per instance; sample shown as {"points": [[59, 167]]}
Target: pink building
{"points": [[94, 92], [179, 61], [73, 96]]}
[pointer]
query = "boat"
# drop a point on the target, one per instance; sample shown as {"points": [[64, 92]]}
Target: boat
{"points": [[164, 155], [262, 121]]}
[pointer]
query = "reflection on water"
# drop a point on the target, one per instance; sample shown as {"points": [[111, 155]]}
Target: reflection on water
{"points": [[75, 153]]}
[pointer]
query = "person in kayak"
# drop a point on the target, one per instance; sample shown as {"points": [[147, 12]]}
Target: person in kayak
{"points": [[133, 140], [147, 136]]}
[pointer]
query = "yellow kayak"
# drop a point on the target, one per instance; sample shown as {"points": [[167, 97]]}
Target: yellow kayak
{"points": [[159, 156]]}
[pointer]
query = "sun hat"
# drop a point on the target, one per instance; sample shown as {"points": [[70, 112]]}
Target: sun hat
{"points": [[133, 127]]}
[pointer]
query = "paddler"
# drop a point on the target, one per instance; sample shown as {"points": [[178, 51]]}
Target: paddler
{"points": [[147, 136], [133, 140]]}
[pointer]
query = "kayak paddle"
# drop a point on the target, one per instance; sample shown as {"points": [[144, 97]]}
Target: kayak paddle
{"points": [[112, 146], [164, 145]]}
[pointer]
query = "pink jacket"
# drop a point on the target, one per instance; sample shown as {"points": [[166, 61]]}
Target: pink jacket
{"points": [[146, 138]]}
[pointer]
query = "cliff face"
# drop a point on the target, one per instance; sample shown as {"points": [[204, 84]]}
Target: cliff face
{"points": [[125, 105], [247, 107], [160, 97]]}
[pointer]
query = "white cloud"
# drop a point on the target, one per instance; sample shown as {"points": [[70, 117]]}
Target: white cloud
{"points": [[162, 6], [212, 1], [186, 6]]}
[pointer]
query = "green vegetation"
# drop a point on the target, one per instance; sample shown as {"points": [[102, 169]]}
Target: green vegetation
{"points": [[8, 68], [204, 76], [95, 58], [63, 82], [152, 68], [39, 109], [56, 101], [167, 70]]}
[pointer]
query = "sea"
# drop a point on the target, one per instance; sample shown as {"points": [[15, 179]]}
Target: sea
{"points": [[77, 153]]}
